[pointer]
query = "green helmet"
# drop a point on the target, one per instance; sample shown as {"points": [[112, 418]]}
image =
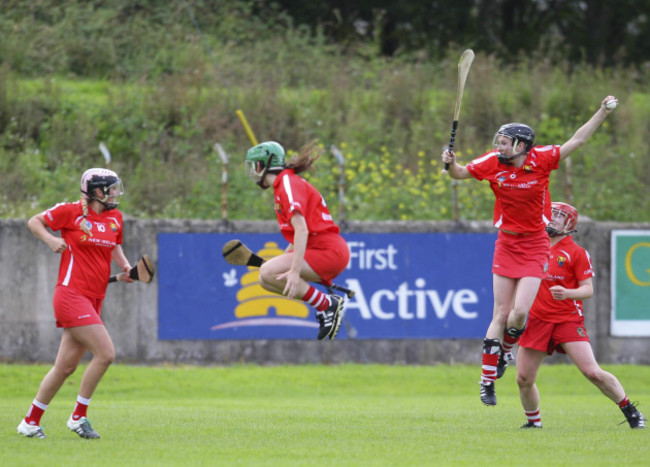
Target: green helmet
{"points": [[263, 158]]}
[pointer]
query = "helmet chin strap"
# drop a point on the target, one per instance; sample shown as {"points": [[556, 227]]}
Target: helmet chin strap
{"points": [[107, 206], [103, 201], [556, 233], [260, 182], [509, 159]]}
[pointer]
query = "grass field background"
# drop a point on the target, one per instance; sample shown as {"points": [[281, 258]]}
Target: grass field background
{"points": [[305, 415]]}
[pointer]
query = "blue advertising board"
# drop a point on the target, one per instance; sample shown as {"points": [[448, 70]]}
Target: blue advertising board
{"points": [[407, 286]]}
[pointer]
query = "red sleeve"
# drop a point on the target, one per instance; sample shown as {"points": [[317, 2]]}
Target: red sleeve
{"points": [[294, 195], [61, 216], [481, 167], [548, 156], [582, 268]]}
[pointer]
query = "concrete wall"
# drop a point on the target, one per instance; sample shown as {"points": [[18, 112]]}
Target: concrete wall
{"points": [[29, 271]]}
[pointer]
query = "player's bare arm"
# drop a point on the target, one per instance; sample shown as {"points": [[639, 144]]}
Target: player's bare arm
{"points": [[585, 131], [455, 170], [120, 259], [584, 291], [39, 228]]}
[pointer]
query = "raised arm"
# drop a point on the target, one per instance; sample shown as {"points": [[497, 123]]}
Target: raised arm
{"points": [[585, 131], [456, 170]]}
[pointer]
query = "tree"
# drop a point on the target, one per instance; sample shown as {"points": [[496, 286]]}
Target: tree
{"points": [[594, 31]]}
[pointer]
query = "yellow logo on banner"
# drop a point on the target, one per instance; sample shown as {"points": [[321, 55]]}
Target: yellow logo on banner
{"points": [[254, 301], [628, 264]]}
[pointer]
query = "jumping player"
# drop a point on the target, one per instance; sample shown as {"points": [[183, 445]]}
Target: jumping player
{"points": [[518, 173], [556, 322], [316, 251], [91, 236]]}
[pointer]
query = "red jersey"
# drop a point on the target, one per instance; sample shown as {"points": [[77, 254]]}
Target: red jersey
{"points": [[523, 202], [86, 263], [295, 194], [569, 264]]}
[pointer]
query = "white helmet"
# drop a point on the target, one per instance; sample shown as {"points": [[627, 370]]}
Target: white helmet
{"points": [[105, 180]]}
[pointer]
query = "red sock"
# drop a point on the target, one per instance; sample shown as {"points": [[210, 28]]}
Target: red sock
{"points": [[316, 298], [534, 416], [623, 402], [81, 408], [35, 413], [509, 342], [491, 350]]}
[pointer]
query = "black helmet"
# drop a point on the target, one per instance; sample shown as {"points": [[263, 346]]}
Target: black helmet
{"points": [[518, 132]]}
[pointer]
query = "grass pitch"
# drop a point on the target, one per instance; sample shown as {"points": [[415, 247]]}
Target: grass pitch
{"points": [[323, 415]]}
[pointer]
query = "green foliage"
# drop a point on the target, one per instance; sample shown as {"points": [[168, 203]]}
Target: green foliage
{"points": [[139, 77]]}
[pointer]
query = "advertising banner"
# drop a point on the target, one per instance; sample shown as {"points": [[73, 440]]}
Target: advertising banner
{"points": [[407, 286], [630, 283]]}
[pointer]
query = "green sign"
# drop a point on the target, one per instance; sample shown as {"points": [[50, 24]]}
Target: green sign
{"points": [[631, 283]]}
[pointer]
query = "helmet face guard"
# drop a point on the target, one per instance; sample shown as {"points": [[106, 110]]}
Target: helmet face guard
{"points": [[264, 158], [518, 133], [107, 181], [564, 219], [257, 170]]}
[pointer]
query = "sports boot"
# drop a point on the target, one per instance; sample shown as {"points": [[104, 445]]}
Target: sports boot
{"points": [[30, 431], [505, 358], [527, 425], [82, 428], [633, 416], [488, 396], [330, 319]]}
